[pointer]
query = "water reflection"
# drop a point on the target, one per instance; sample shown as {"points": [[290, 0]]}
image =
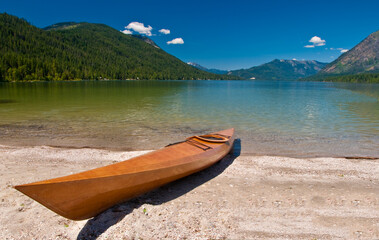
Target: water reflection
{"points": [[371, 90], [362, 107], [271, 117], [3, 101]]}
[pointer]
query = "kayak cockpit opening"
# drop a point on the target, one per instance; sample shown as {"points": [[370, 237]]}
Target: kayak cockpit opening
{"points": [[215, 138], [212, 138]]}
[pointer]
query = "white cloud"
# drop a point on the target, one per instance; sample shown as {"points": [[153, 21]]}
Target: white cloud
{"points": [[176, 41], [342, 50], [140, 28], [126, 31], [164, 31], [317, 41]]}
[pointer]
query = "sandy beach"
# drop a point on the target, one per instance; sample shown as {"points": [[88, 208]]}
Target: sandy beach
{"points": [[241, 197]]}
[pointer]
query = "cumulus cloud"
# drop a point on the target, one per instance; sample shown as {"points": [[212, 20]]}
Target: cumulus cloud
{"points": [[164, 31], [126, 31], [316, 42], [176, 41], [140, 28], [344, 50]]}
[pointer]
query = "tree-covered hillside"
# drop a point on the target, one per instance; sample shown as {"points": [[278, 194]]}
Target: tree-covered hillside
{"points": [[84, 51], [353, 78], [363, 58], [358, 65]]}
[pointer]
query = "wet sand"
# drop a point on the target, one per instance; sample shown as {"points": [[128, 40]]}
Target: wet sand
{"points": [[138, 137], [241, 197]]}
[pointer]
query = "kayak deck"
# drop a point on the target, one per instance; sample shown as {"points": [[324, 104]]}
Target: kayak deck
{"points": [[86, 194]]}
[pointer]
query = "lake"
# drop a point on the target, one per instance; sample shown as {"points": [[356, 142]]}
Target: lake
{"points": [[304, 119]]}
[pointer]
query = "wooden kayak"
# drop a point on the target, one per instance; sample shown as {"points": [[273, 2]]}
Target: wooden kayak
{"points": [[86, 194]]}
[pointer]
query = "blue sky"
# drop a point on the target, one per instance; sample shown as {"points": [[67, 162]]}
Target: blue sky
{"points": [[223, 34]]}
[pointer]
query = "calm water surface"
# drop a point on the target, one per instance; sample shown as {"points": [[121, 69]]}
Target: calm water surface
{"points": [[270, 117]]}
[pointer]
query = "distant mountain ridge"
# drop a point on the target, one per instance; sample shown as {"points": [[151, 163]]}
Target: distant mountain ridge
{"points": [[211, 70], [363, 58], [68, 51], [281, 70]]}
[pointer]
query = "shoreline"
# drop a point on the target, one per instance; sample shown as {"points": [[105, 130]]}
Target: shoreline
{"points": [[242, 196], [134, 146]]}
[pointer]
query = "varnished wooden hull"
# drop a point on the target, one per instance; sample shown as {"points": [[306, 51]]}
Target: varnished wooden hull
{"points": [[86, 194]]}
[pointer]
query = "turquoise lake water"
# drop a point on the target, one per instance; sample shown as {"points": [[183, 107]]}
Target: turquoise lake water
{"points": [[270, 117]]}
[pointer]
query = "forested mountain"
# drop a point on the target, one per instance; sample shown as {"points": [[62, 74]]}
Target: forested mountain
{"points": [[281, 70], [358, 65], [71, 50], [363, 58]]}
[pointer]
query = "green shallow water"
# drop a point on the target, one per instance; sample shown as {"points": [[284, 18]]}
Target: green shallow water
{"points": [[270, 117]]}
